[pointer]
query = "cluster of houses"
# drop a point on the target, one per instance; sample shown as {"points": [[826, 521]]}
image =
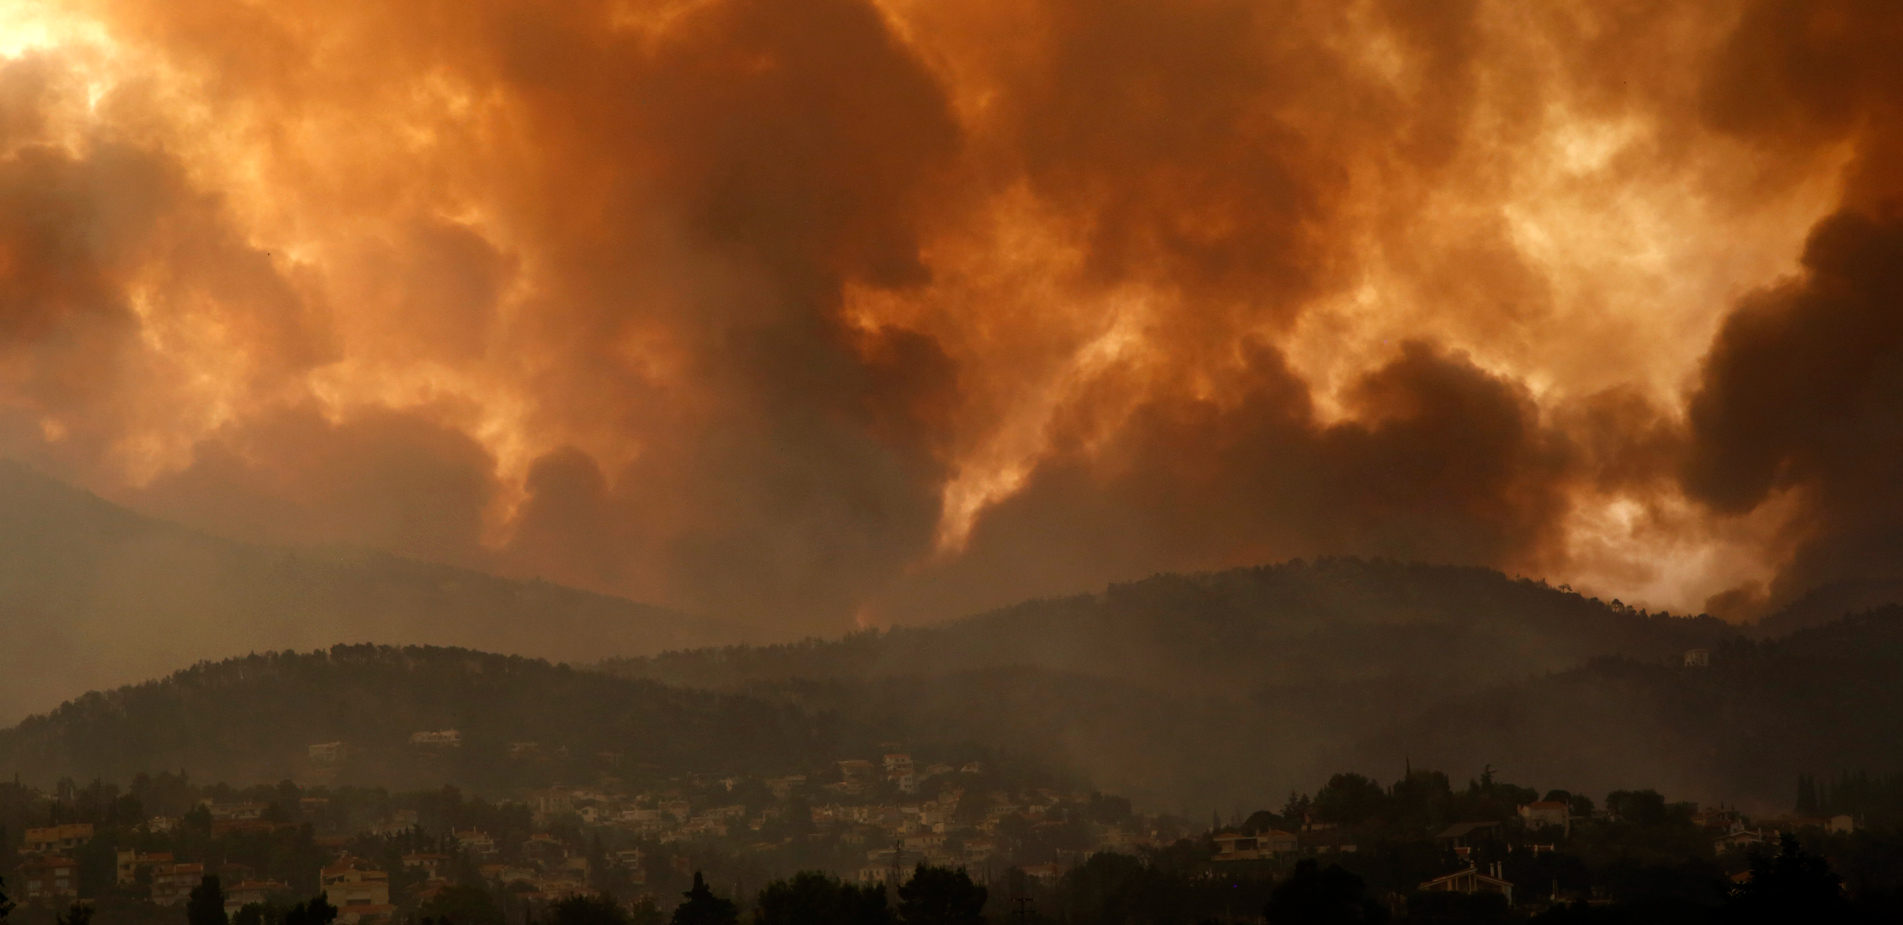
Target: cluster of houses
{"points": [[49, 874], [1727, 828], [896, 769], [894, 835], [877, 817], [1730, 830], [543, 867], [889, 812]]}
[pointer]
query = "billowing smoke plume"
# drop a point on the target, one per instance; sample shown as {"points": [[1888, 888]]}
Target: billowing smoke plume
{"points": [[1803, 393], [899, 308], [1800, 401]]}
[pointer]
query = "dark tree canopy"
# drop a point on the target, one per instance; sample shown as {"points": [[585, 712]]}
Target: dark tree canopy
{"points": [[1313, 896], [817, 898], [318, 911], [463, 905], [257, 914], [646, 912], [207, 903], [704, 908], [1791, 886], [941, 896], [1349, 799], [584, 909]]}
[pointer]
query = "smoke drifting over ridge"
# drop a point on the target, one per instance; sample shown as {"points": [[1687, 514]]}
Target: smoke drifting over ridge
{"points": [[900, 309]]}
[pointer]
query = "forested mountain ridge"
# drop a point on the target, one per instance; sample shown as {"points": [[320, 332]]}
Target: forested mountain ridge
{"points": [[1299, 622], [93, 595], [253, 719], [1203, 691], [1818, 701], [1826, 603], [1741, 730]]}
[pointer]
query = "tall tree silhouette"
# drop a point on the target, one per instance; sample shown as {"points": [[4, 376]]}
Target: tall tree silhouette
{"points": [[207, 903], [941, 896], [1792, 886], [318, 911], [704, 908]]}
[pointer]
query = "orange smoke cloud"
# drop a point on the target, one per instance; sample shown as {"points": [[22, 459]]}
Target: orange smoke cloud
{"points": [[897, 309]]}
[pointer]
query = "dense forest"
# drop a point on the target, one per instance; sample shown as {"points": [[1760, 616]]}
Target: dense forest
{"points": [[1399, 662], [93, 595], [1327, 620], [254, 719], [1763, 713], [1198, 692], [1825, 603], [1187, 692]]}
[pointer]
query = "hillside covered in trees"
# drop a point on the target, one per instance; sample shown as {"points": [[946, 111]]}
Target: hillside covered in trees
{"points": [[1206, 691], [254, 719], [1763, 713], [1297, 622], [93, 595], [1187, 693]]}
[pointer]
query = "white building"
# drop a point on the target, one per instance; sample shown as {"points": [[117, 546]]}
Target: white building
{"points": [[443, 738]]}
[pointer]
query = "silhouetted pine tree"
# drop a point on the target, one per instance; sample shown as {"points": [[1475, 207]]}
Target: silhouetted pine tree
{"points": [[207, 903], [704, 908], [1806, 795]]}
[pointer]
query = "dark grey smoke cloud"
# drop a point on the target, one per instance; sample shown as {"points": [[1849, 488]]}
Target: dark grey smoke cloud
{"points": [[895, 310]]}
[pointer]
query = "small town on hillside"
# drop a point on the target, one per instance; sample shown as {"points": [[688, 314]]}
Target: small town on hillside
{"points": [[871, 820], [378, 857]]}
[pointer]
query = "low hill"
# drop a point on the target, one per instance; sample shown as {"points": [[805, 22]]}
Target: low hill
{"points": [[253, 720], [1818, 701], [1300, 622], [1194, 692], [1740, 730], [93, 595], [1626, 713], [1824, 604]]}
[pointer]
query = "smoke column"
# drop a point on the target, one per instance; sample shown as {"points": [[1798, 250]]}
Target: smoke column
{"points": [[893, 310]]}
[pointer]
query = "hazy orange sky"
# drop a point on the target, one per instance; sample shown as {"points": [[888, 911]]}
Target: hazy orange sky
{"points": [[834, 310]]}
